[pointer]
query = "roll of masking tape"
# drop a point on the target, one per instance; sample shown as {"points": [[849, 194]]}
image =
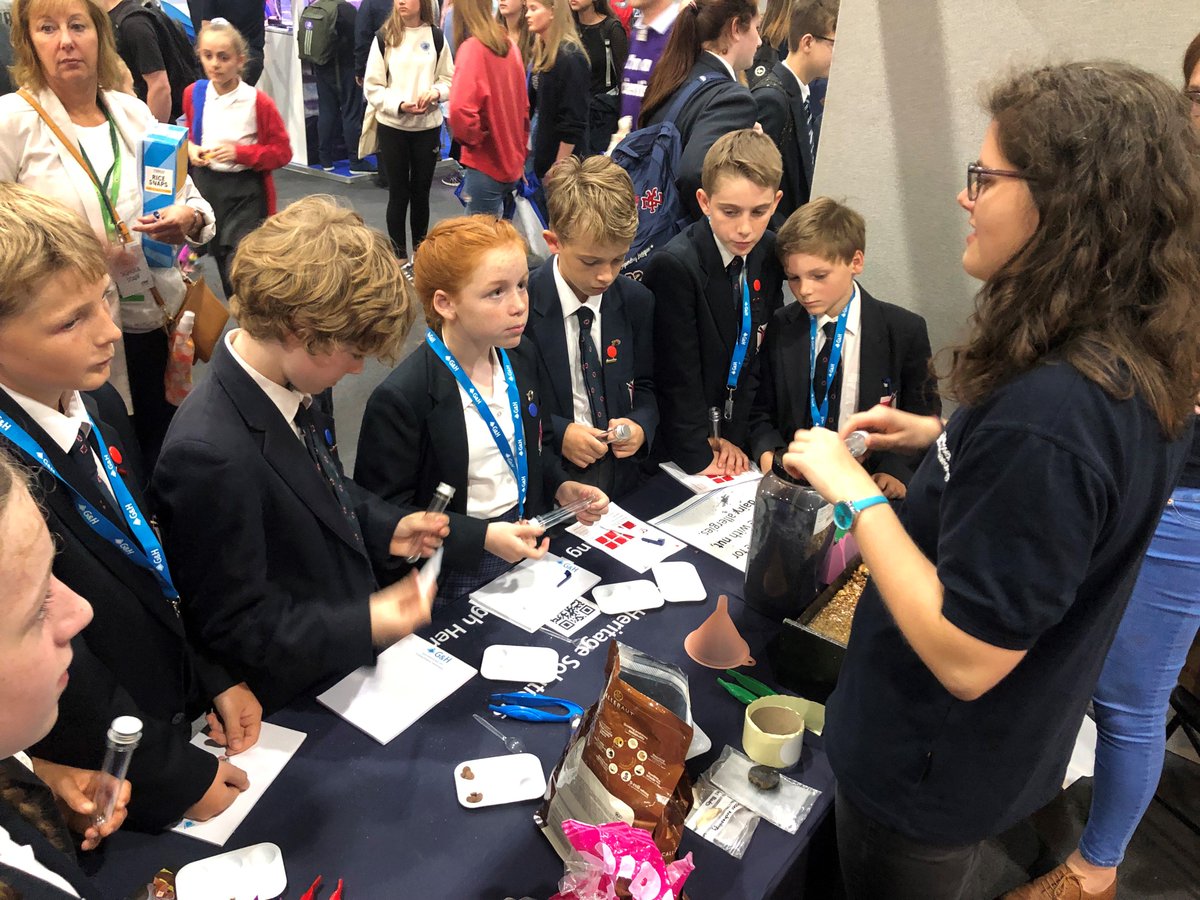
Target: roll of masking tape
{"points": [[773, 734]]}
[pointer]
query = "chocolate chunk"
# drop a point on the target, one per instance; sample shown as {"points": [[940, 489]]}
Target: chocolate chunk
{"points": [[466, 774], [765, 778], [474, 797]]}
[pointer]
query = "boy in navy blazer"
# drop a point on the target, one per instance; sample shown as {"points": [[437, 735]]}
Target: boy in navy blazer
{"points": [[597, 380], [882, 355], [787, 110], [716, 285], [273, 547]]}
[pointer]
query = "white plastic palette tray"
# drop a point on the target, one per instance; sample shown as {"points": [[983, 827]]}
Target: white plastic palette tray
{"points": [[254, 871], [495, 780], [505, 662], [627, 596], [679, 582]]}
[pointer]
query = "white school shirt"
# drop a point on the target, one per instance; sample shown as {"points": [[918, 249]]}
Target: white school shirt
{"points": [[491, 485], [62, 427], [20, 856], [286, 400], [580, 406], [724, 62], [851, 351], [229, 119], [804, 90]]}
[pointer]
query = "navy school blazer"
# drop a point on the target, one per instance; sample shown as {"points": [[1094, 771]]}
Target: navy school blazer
{"points": [[414, 435], [134, 658], [776, 110], [276, 587], [696, 324], [626, 326], [895, 348]]}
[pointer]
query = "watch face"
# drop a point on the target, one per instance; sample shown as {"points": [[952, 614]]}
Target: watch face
{"points": [[843, 515]]}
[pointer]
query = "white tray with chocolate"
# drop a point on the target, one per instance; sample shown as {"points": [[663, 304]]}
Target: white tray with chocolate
{"points": [[494, 780]]}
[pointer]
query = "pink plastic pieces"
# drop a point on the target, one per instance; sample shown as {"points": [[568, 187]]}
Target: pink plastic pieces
{"points": [[619, 851]]}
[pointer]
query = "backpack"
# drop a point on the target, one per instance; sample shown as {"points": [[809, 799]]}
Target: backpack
{"points": [[771, 82], [765, 58], [179, 56], [316, 32], [651, 155]]}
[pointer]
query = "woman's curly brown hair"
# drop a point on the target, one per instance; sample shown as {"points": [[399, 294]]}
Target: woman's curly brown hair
{"points": [[1108, 282]]}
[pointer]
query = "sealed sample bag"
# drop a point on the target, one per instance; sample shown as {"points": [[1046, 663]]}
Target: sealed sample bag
{"points": [[626, 761]]}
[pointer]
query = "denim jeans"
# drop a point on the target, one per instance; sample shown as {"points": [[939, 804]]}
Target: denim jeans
{"points": [[484, 194], [1131, 698]]}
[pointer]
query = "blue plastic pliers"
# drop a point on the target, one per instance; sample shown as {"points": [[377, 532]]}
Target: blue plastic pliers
{"points": [[533, 707]]}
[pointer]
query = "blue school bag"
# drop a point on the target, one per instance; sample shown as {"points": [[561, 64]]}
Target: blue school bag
{"points": [[651, 155]]}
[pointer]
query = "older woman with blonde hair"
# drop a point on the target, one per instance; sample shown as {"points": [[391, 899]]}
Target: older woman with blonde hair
{"points": [[72, 135]]}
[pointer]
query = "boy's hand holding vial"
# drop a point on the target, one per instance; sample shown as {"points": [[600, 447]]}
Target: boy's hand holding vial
{"points": [[625, 437], [73, 789], [570, 491], [419, 534], [583, 444]]}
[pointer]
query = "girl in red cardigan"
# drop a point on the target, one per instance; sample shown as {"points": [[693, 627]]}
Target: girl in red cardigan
{"points": [[237, 139]]}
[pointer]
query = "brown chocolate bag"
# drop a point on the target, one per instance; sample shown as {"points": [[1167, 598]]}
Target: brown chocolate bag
{"points": [[626, 761]]}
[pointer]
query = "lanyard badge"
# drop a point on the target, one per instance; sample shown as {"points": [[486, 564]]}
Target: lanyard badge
{"points": [[514, 456], [147, 552], [738, 359], [820, 413]]}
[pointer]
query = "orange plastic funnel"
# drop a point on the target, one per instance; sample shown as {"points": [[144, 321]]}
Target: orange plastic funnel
{"points": [[716, 643]]}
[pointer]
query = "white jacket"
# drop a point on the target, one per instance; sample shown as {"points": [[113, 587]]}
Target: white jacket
{"points": [[31, 155], [403, 73]]}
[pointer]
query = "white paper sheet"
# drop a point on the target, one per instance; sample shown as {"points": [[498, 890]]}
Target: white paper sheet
{"points": [[627, 539], [702, 484], [534, 592], [261, 763], [408, 679], [719, 523]]}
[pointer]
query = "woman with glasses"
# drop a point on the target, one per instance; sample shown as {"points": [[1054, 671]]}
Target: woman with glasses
{"points": [[1133, 695], [993, 601]]}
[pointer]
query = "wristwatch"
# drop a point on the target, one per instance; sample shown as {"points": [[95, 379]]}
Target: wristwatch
{"points": [[845, 512]]}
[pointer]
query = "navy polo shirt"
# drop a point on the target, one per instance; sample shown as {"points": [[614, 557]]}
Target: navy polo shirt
{"points": [[1036, 506]]}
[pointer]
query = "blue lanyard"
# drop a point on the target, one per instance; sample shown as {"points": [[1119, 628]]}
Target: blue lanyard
{"points": [[149, 555], [516, 460], [820, 414], [739, 349]]}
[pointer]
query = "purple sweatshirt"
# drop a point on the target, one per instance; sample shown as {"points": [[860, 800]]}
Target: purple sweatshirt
{"points": [[646, 45]]}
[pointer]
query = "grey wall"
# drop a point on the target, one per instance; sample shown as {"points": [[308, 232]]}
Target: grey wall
{"points": [[903, 119]]}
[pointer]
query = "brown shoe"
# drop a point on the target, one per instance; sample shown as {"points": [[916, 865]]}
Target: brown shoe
{"points": [[1059, 884]]}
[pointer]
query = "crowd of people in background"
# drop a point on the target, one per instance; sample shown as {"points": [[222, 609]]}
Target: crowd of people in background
{"points": [[224, 541]]}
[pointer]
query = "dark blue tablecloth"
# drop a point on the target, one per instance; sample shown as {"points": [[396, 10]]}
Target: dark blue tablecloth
{"points": [[386, 819]]}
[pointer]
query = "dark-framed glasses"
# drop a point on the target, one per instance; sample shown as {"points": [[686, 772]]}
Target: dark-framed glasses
{"points": [[821, 37], [976, 173]]}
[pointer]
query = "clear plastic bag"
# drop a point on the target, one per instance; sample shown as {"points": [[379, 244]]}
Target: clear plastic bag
{"points": [[785, 806], [720, 819]]}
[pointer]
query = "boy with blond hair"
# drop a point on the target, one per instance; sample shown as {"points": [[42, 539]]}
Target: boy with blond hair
{"points": [[274, 548], [60, 418], [592, 330], [716, 285], [837, 350]]}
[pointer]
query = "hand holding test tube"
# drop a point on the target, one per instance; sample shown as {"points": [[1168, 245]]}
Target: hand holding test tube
{"points": [[123, 737], [441, 499], [563, 513]]}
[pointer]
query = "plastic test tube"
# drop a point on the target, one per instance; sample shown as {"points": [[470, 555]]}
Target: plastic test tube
{"points": [[856, 443], [563, 513], [122, 740], [441, 499]]}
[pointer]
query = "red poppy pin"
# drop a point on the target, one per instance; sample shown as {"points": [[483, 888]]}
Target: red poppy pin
{"points": [[611, 350], [757, 285], [116, 455]]}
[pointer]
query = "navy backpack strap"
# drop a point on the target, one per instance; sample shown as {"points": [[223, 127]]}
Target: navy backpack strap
{"points": [[199, 92], [690, 90]]}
